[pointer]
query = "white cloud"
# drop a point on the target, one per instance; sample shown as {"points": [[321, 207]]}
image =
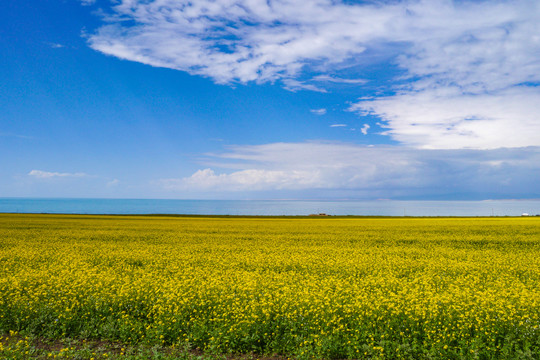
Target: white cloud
{"points": [[55, 45], [245, 180], [39, 174], [471, 68], [318, 111], [295, 85], [380, 171], [428, 119], [335, 79], [338, 125], [364, 129], [478, 78], [241, 40]]}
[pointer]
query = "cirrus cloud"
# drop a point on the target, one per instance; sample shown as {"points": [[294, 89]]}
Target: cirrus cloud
{"points": [[470, 70]]}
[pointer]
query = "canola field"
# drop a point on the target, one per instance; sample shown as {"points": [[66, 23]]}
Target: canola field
{"points": [[304, 288]]}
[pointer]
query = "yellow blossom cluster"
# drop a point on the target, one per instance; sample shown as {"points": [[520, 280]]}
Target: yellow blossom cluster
{"points": [[302, 287]]}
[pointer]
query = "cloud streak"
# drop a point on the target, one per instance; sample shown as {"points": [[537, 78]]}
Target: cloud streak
{"points": [[40, 174], [318, 111], [2, 134], [338, 80]]}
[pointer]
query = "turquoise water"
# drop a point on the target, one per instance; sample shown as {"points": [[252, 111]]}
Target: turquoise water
{"points": [[270, 207]]}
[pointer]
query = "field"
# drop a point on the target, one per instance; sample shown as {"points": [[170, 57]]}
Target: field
{"points": [[323, 288]]}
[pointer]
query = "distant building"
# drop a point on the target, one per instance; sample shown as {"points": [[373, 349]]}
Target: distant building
{"points": [[525, 214]]}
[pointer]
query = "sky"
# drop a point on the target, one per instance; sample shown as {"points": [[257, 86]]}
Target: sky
{"points": [[270, 99]]}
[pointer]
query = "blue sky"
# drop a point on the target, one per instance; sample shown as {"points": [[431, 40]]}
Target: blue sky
{"points": [[253, 99]]}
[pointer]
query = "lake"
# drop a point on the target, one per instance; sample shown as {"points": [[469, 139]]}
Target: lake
{"points": [[270, 207]]}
